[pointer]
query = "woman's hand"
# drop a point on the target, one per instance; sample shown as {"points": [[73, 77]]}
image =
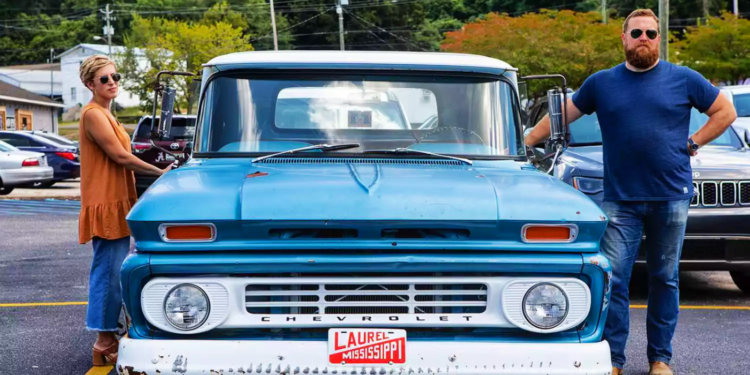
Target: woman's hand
{"points": [[167, 169]]}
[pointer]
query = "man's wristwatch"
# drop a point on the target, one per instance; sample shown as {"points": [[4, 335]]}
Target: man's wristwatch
{"points": [[693, 146]]}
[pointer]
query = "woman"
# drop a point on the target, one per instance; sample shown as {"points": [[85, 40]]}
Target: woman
{"points": [[107, 194]]}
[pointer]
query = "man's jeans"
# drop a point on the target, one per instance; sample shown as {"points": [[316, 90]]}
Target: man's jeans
{"points": [[663, 223]]}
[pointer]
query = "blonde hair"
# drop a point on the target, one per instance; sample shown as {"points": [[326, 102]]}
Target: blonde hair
{"points": [[640, 13], [91, 65]]}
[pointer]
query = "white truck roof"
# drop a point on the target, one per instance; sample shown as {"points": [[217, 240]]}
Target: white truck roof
{"points": [[337, 59]]}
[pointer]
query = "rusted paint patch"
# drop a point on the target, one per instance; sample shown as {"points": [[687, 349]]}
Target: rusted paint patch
{"points": [[129, 370], [257, 174], [180, 365]]}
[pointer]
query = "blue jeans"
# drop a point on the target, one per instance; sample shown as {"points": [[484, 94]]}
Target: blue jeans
{"points": [[105, 293], [663, 223]]}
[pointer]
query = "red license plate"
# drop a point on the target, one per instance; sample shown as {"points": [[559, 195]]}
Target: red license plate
{"points": [[366, 346]]}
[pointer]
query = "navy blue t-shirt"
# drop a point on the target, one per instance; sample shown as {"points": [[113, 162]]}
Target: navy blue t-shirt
{"points": [[645, 124]]}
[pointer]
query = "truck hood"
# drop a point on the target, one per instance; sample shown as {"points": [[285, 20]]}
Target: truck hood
{"points": [[711, 162], [217, 190], [492, 201]]}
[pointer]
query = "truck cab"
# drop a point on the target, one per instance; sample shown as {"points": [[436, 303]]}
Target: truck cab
{"points": [[363, 213]]}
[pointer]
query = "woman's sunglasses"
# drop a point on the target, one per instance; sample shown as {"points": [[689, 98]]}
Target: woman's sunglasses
{"points": [[651, 33], [115, 77]]}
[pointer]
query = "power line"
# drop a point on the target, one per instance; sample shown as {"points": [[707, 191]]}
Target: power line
{"points": [[295, 25], [373, 34], [383, 30]]}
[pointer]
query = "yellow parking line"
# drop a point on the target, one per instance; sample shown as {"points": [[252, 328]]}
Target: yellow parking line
{"points": [[688, 307], [32, 304], [100, 370]]}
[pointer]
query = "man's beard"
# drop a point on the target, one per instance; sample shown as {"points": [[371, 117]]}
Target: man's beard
{"points": [[642, 58]]}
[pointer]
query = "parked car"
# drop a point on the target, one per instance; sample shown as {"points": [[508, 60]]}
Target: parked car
{"points": [[183, 131], [740, 96], [319, 249], [53, 137], [21, 168], [63, 159], [718, 230]]}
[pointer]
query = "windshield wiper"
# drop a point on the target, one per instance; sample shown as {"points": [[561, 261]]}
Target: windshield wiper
{"points": [[322, 147], [411, 151]]}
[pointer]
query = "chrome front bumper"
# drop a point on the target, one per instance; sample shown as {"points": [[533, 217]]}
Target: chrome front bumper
{"points": [[208, 357]]}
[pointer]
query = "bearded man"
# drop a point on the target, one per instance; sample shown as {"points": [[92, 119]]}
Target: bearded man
{"points": [[643, 107]]}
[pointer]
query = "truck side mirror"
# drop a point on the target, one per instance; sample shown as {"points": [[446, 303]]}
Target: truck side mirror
{"points": [[167, 109], [556, 120]]}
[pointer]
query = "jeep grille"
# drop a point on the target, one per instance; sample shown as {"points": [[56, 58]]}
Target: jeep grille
{"points": [[720, 194]]}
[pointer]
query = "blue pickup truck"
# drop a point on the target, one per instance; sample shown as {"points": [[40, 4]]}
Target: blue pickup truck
{"points": [[362, 213]]}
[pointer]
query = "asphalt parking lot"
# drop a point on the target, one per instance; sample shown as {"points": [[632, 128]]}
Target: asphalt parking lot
{"points": [[44, 281]]}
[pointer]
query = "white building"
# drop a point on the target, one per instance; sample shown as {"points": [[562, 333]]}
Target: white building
{"points": [[73, 91], [41, 79]]}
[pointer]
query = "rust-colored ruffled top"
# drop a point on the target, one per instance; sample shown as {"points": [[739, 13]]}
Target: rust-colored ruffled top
{"points": [[107, 188]]}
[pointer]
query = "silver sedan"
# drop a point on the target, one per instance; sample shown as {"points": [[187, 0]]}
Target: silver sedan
{"points": [[21, 168]]}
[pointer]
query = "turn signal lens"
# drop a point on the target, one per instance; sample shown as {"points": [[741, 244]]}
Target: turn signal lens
{"points": [[33, 162], [189, 233], [66, 155], [549, 233]]}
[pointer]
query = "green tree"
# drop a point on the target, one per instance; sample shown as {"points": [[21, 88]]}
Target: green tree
{"points": [[719, 50], [175, 45], [565, 42]]}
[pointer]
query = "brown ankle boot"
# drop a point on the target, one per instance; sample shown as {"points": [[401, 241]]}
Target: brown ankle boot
{"points": [[659, 368], [616, 371]]}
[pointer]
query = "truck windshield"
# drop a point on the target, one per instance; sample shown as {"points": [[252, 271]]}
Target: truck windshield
{"points": [[459, 116], [586, 131]]}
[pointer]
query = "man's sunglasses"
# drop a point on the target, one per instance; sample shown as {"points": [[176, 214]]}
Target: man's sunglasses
{"points": [[115, 77], [651, 33]]}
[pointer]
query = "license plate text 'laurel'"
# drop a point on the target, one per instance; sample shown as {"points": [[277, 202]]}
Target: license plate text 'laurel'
{"points": [[367, 346]]}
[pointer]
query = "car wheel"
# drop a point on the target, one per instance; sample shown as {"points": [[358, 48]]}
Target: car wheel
{"points": [[742, 280], [5, 190]]}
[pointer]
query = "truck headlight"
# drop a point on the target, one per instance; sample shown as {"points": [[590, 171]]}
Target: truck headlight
{"points": [[588, 185], [186, 307], [545, 306]]}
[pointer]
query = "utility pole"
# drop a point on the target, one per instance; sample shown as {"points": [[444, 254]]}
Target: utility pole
{"points": [[736, 9], [340, 11], [51, 71], [705, 11], [273, 25], [604, 12], [664, 29], [108, 31], [52, 84]]}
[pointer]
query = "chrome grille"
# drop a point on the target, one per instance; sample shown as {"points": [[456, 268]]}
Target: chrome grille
{"points": [[366, 298], [728, 193], [744, 189], [709, 193], [720, 193], [696, 194]]}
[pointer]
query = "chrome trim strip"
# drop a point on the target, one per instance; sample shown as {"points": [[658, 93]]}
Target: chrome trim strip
{"points": [[740, 185], [163, 232], [703, 193], [573, 232], [721, 193]]}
